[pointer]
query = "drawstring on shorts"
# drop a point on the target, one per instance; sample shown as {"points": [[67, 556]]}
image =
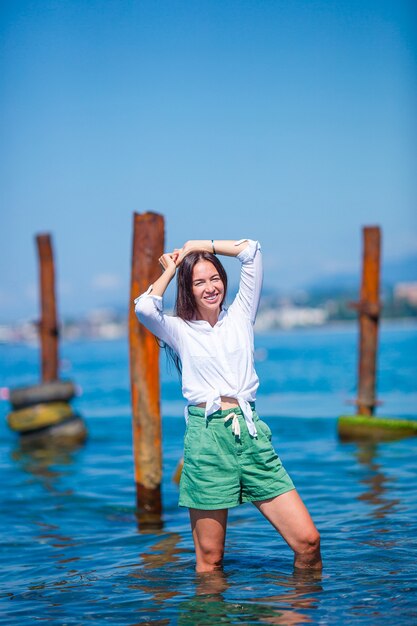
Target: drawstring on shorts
{"points": [[235, 423]]}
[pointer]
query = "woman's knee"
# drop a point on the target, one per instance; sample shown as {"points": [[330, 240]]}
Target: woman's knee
{"points": [[309, 543], [209, 561], [211, 553]]}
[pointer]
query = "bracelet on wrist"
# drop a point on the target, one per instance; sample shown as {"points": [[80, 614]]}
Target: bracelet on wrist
{"points": [[212, 245]]}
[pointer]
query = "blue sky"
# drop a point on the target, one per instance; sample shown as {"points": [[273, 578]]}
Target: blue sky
{"points": [[289, 122]]}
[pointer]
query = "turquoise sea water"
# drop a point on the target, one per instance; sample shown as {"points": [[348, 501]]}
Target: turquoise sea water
{"points": [[72, 553]]}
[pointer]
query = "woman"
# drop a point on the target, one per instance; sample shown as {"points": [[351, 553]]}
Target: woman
{"points": [[228, 455]]}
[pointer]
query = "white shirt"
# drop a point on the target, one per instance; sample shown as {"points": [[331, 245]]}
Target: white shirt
{"points": [[216, 360]]}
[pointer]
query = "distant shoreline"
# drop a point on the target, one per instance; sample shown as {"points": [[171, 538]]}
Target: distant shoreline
{"points": [[402, 323], [117, 332]]}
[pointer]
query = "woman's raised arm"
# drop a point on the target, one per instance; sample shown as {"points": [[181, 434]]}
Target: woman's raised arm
{"points": [[216, 246], [168, 262], [149, 306], [251, 277]]}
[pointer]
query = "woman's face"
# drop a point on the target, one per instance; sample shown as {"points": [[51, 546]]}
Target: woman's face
{"points": [[208, 288]]}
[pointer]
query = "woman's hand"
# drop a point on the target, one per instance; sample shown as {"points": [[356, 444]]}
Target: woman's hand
{"points": [[168, 261], [191, 246]]}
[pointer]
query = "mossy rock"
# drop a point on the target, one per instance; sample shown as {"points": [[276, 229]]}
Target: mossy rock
{"points": [[68, 434], [39, 416], [368, 428]]}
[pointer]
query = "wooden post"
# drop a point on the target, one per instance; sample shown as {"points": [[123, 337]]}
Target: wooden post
{"points": [[148, 246], [41, 413], [364, 426], [369, 309], [48, 325]]}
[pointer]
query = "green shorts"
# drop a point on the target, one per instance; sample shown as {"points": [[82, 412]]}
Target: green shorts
{"points": [[222, 470]]}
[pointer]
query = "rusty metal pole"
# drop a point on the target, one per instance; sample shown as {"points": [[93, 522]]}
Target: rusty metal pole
{"points": [[48, 325], [369, 308], [148, 246]]}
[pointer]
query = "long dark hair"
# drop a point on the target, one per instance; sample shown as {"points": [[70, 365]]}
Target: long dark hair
{"points": [[185, 304]]}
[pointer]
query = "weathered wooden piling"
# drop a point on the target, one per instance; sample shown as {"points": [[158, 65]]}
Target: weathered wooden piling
{"points": [[41, 413], [48, 324], [148, 246], [364, 426], [369, 308]]}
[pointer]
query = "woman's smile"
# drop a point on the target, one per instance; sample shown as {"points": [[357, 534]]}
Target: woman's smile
{"points": [[212, 298]]}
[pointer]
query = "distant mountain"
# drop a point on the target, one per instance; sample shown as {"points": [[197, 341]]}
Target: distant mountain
{"points": [[393, 271], [400, 270]]}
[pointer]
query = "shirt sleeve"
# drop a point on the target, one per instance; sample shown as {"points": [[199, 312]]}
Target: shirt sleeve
{"points": [[251, 277], [149, 310]]}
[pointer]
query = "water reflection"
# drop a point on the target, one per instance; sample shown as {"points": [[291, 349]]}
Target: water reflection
{"points": [[161, 554], [210, 598], [42, 463], [295, 593], [377, 483]]}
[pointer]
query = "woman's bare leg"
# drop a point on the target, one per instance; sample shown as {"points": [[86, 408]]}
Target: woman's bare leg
{"points": [[209, 534], [288, 514]]}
